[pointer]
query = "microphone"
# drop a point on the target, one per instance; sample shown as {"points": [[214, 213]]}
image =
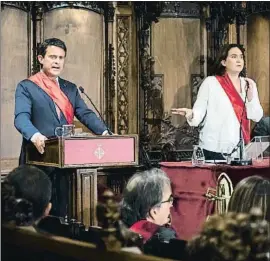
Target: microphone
{"points": [[240, 145], [82, 91]]}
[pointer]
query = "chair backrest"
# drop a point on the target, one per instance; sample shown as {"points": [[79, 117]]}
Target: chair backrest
{"points": [[174, 249], [19, 244]]}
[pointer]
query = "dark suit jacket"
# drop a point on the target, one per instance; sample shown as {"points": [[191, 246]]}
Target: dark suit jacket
{"points": [[262, 128], [35, 111]]}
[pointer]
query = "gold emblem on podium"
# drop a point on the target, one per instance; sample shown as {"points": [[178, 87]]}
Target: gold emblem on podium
{"points": [[99, 152]]}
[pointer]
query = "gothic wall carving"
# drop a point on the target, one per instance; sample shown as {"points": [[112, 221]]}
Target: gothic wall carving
{"points": [[123, 64], [125, 45], [178, 9]]}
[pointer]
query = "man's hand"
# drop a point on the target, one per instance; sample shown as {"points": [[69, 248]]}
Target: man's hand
{"points": [[106, 133], [188, 113], [39, 141]]}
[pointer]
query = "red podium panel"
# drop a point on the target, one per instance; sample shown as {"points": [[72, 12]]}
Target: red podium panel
{"points": [[91, 151]]}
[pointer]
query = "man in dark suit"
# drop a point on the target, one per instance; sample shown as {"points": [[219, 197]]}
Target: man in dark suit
{"points": [[262, 128], [44, 102]]}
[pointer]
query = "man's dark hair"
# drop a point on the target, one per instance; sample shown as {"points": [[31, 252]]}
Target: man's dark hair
{"points": [[51, 42], [218, 68], [25, 194]]}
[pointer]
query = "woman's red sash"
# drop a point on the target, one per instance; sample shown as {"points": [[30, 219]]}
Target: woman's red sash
{"points": [[237, 104]]}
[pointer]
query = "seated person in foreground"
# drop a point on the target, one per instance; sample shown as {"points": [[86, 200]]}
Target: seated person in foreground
{"points": [[262, 128], [145, 207], [25, 197], [253, 191], [232, 237]]}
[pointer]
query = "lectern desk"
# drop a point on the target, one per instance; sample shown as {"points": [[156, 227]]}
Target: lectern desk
{"points": [[82, 155]]}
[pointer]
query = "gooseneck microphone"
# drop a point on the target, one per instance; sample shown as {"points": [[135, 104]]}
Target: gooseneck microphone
{"points": [[82, 91], [240, 145]]}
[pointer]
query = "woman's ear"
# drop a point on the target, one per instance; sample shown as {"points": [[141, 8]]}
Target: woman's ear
{"points": [[223, 62]]}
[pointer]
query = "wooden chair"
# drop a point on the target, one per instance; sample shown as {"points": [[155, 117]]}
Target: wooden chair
{"points": [[20, 244]]}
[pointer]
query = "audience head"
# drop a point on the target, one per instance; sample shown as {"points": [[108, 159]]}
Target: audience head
{"points": [[231, 59], [148, 195], [253, 191], [232, 237], [25, 196]]}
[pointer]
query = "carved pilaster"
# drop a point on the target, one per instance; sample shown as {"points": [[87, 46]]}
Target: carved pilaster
{"points": [[111, 87], [37, 37], [123, 64], [110, 12]]}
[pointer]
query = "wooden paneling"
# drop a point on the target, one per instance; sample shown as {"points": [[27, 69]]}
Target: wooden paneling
{"points": [[14, 68], [258, 67], [176, 50], [21, 244], [82, 31], [84, 199]]}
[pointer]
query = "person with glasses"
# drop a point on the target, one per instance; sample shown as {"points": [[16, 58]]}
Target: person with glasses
{"points": [[145, 208]]}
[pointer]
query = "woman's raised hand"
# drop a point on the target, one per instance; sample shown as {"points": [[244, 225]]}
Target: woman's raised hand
{"points": [[188, 113]]}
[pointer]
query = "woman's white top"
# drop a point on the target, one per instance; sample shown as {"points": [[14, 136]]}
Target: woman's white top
{"points": [[221, 127]]}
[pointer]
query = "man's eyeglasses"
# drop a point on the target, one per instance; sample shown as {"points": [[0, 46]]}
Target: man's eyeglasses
{"points": [[170, 200]]}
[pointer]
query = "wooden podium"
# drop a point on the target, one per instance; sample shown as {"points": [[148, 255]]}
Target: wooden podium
{"points": [[81, 156]]}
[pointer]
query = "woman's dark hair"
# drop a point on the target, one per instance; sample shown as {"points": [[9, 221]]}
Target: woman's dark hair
{"points": [[218, 68], [232, 237], [253, 191], [51, 42], [144, 191], [25, 195]]}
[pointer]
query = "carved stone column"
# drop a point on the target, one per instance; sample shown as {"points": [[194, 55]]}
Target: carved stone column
{"points": [[126, 69], [110, 83], [37, 34]]}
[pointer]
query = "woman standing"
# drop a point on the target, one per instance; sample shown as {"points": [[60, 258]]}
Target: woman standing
{"points": [[224, 101]]}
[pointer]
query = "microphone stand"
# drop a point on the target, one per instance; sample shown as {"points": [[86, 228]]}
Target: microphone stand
{"points": [[82, 91], [240, 145]]}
